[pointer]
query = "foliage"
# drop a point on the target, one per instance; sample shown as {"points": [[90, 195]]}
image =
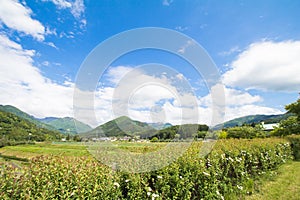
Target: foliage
{"points": [[122, 126], [23, 115], [229, 169], [182, 132], [287, 127], [248, 132], [294, 108], [295, 144], [14, 129], [154, 139]]}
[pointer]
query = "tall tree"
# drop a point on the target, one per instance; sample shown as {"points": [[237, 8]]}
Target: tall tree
{"points": [[294, 108]]}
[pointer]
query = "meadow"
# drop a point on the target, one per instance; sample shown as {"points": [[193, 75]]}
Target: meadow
{"points": [[232, 170]]}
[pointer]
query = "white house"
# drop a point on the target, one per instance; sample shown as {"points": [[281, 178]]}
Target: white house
{"points": [[269, 127]]}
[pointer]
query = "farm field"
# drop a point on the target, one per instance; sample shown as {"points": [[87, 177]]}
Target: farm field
{"points": [[68, 171]]}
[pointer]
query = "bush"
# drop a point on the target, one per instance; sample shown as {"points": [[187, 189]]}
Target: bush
{"points": [[295, 145], [229, 169], [154, 139]]}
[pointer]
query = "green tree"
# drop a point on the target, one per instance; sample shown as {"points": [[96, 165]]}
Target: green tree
{"points": [[287, 127], [154, 139], [294, 108]]}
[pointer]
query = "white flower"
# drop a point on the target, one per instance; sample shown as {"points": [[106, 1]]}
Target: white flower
{"points": [[148, 193], [154, 196], [149, 189], [239, 187], [206, 174], [159, 176], [180, 177], [116, 184]]}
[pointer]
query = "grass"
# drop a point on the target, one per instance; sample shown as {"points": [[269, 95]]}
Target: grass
{"points": [[286, 185], [29, 151]]}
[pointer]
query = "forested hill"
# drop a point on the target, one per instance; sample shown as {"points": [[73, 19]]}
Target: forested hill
{"points": [[66, 125], [121, 126], [24, 115], [253, 119], [15, 128]]}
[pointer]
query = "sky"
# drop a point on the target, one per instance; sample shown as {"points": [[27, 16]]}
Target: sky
{"points": [[255, 46]]}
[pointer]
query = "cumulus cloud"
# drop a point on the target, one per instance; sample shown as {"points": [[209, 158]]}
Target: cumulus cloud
{"points": [[267, 65], [23, 85], [18, 17]]}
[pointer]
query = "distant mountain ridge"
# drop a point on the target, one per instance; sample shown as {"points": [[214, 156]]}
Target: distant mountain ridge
{"points": [[121, 126], [159, 126], [66, 125], [253, 119]]}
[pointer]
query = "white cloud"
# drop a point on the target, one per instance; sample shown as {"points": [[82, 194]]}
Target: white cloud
{"points": [[23, 85], [167, 2], [230, 51], [76, 7], [267, 65], [18, 17], [250, 109], [185, 46], [51, 44], [62, 4]]}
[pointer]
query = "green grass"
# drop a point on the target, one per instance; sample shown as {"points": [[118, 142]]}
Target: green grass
{"points": [[72, 149], [29, 151], [285, 185]]}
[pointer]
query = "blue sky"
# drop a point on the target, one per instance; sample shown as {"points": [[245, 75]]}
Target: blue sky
{"points": [[254, 44]]}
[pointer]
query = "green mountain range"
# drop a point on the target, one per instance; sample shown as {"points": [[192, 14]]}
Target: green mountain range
{"points": [[65, 125], [24, 115], [253, 119], [15, 128], [121, 126]]}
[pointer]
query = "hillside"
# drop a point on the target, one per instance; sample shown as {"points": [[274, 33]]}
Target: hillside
{"points": [[24, 115], [122, 126], [15, 128], [64, 125], [252, 119], [67, 125], [159, 126]]}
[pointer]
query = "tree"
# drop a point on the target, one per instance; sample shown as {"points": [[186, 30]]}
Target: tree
{"points": [[287, 127], [294, 108], [154, 139], [292, 124]]}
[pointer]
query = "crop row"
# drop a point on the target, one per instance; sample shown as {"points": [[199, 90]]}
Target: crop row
{"points": [[230, 168]]}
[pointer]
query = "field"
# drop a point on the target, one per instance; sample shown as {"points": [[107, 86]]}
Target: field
{"points": [[233, 170]]}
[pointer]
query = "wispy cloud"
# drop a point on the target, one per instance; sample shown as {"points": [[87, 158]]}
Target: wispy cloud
{"points": [[76, 8], [167, 2], [234, 49], [185, 46]]}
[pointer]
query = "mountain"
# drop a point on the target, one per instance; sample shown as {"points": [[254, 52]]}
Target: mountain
{"points": [[252, 119], [66, 124], [159, 126], [63, 125], [121, 126], [15, 128], [24, 115]]}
